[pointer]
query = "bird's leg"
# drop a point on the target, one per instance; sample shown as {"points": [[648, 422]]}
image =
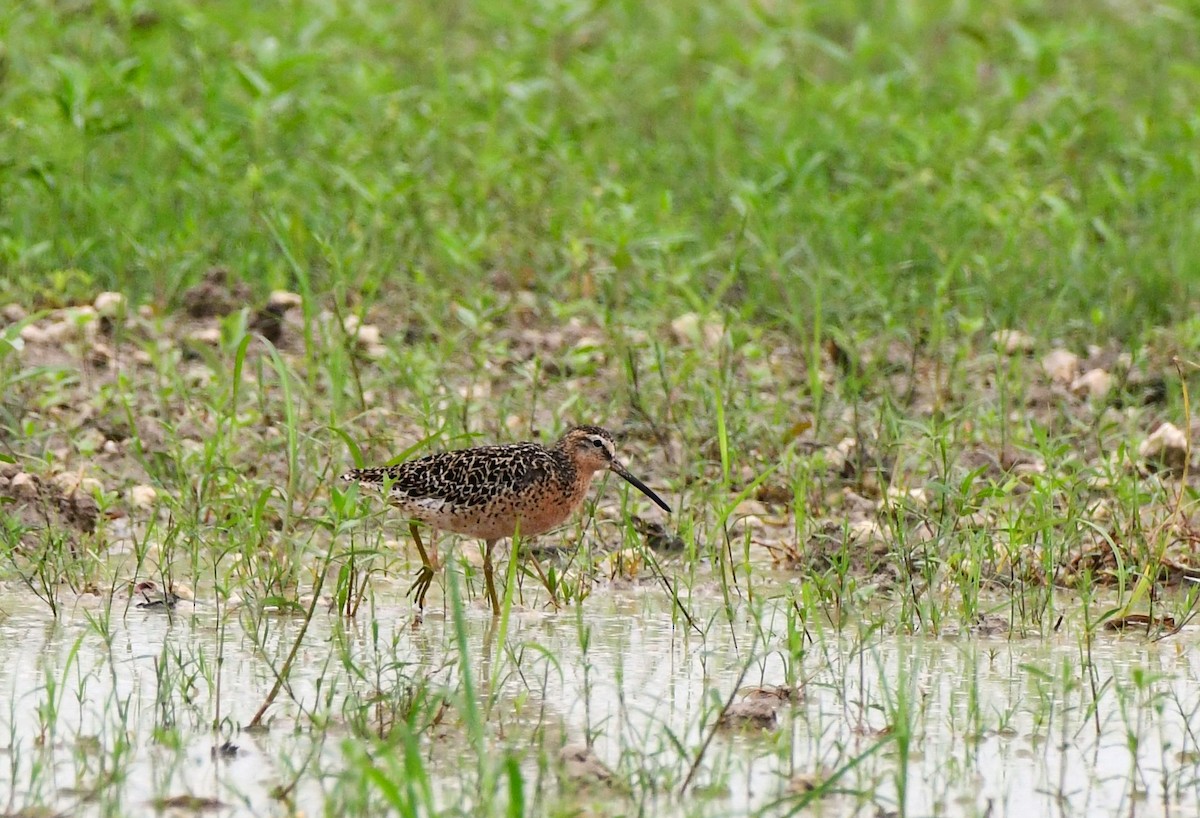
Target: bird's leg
{"points": [[488, 577], [425, 575]]}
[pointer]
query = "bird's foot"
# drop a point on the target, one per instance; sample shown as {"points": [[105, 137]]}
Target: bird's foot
{"points": [[420, 586]]}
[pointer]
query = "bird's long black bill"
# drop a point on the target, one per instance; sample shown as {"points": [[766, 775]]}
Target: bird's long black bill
{"points": [[639, 485]]}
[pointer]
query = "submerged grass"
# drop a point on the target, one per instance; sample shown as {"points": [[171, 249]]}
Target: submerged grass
{"points": [[769, 243]]}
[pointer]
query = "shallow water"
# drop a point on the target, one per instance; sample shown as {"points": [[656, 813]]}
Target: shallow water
{"points": [[954, 726]]}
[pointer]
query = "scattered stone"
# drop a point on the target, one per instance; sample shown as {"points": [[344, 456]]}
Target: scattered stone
{"points": [[33, 334], [898, 498], [583, 766], [9, 470], [658, 536], [72, 482], [803, 783], [990, 625], [143, 496], [80, 510], [1061, 365], [61, 332], [1093, 384], [215, 295], [1166, 448], [773, 693], [12, 313], [843, 457], [24, 486], [269, 321], [1099, 511], [227, 749], [1110, 357], [283, 301], [187, 803], [751, 508], [1146, 389], [110, 304], [757, 714], [206, 336], [865, 531], [198, 375], [623, 564], [695, 330], [774, 494], [100, 355], [1140, 621], [154, 597], [1013, 341], [368, 335]]}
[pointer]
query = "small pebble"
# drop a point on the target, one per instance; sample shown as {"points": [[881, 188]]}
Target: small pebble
{"points": [[71, 482], [773, 694], [866, 531], [24, 486], [693, 329], [1093, 384], [368, 335], [33, 334], [209, 336], [1166, 447], [753, 713], [1013, 341], [110, 305], [1061, 365], [283, 300], [582, 765], [143, 496]]}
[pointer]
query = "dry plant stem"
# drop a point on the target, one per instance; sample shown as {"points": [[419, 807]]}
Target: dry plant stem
{"points": [[285, 671], [1177, 511], [1187, 425], [658, 572], [537, 567], [341, 322], [715, 726], [1146, 583]]}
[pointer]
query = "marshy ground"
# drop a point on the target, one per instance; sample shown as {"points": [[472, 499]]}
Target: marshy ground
{"points": [[893, 305]]}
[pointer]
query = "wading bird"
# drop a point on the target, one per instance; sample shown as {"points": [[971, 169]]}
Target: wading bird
{"points": [[493, 492]]}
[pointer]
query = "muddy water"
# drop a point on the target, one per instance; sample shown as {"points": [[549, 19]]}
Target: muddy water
{"points": [[104, 717]]}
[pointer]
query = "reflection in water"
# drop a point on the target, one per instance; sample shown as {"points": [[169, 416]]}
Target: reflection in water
{"points": [[102, 718]]}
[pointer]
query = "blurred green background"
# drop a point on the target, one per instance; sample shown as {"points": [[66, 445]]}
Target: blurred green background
{"points": [[877, 166]]}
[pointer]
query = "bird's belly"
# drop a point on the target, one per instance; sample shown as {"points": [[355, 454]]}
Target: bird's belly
{"points": [[502, 517]]}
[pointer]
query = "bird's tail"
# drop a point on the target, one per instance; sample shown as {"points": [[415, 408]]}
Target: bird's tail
{"points": [[368, 477]]}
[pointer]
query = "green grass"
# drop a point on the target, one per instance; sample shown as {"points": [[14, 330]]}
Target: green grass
{"points": [[863, 165], [766, 242]]}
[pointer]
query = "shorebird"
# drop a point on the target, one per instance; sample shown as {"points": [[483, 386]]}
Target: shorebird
{"points": [[494, 492]]}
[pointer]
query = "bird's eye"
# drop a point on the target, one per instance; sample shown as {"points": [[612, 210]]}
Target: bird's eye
{"points": [[598, 443]]}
